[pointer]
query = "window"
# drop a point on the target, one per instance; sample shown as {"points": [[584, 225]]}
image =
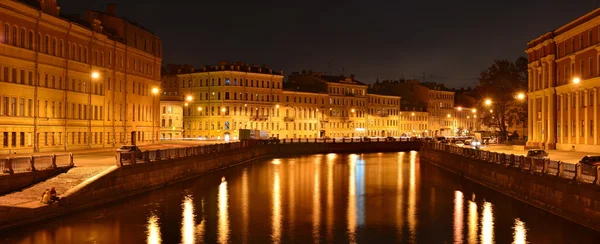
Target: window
{"points": [[227, 82], [582, 127], [591, 128]]}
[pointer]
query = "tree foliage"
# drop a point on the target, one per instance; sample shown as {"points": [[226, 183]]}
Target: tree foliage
{"points": [[501, 82]]}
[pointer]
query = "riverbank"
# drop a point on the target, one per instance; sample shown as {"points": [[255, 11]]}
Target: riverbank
{"points": [[168, 166], [569, 193]]}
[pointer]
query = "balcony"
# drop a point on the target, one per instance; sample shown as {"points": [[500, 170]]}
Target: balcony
{"points": [[289, 119], [324, 120], [259, 117], [350, 94]]}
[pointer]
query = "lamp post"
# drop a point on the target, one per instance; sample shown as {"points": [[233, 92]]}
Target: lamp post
{"points": [[95, 75], [154, 95]]}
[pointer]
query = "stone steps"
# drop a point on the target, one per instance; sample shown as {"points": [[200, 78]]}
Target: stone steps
{"points": [[62, 183]]}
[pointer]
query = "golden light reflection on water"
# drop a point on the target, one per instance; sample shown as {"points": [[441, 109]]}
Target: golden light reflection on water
{"points": [[245, 205], [399, 195], [473, 216], [351, 214], [412, 197], [291, 185], [276, 208], [458, 216], [188, 221], [201, 228], [330, 216], [153, 230], [487, 223], [223, 213], [519, 232], [316, 203]]}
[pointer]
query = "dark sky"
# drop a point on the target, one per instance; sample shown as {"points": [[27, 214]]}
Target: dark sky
{"points": [[450, 41]]}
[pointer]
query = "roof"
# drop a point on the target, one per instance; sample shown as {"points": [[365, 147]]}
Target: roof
{"points": [[340, 78]]}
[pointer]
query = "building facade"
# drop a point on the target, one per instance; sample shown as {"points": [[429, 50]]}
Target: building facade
{"points": [[383, 117], [71, 83], [563, 87]]}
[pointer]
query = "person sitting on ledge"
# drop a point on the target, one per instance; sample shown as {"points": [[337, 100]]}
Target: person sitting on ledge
{"points": [[46, 197], [53, 197]]}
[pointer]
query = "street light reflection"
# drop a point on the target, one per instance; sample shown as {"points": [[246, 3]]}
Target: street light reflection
{"points": [[316, 202], [351, 214], [276, 208], [223, 214], [399, 195], [487, 224], [245, 205], [520, 232], [153, 230], [458, 216], [473, 225], [330, 215], [412, 197], [188, 221]]}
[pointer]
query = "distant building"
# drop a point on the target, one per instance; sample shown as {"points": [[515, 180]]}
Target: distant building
{"points": [[72, 82]]}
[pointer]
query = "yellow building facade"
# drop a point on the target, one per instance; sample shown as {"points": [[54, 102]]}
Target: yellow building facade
{"points": [[383, 118], [66, 85], [414, 123]]}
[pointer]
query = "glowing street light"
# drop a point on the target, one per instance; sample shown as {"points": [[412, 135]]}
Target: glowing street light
{"points": [[223, 110], [488, 102], [448, 116], [459, 108], [474, 110], [352, 110], [413, 114], [95, 75], [154, 90], [186, 104], [491, 110], [189, 98], [521, 96], [277, 106], [576, 80], [199, 108]]}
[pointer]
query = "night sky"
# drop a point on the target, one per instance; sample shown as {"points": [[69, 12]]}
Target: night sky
{"points": [[450, 41]]}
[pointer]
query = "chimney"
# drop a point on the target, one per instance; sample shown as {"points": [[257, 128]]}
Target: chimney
{"points": [[111, 9]]}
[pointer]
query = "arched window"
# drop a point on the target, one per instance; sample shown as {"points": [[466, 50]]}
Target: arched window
{"points": [[79, 53], [47, 45], [14, 35], [5, 34], [30, 40], [73, 53], [85, 55], [22, 40], [53, 47], [39, 42], [60, 48]]}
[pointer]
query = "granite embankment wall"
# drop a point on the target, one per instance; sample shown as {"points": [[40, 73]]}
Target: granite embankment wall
{"points": [[15, 182], [168, 166], [569, 198]]}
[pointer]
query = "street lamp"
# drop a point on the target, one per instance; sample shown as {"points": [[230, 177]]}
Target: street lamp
{"points": [[576, 80], [521, 96], [155, 92], [199, 108], [488, 102], [189, 98], [459, 108], [474, 110], [94, 76]]}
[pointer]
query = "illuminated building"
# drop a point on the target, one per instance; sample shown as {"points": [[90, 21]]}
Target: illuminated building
{"points": [[71, 83]]}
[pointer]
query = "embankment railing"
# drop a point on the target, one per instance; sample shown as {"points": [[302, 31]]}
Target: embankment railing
{"points": [[580, 173], [20, 164]]}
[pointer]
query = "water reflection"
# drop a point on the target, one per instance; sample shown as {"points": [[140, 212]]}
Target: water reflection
{"points": [[153, 230], [399, 194], [458, 217], [245, 205], [412, 197], [520, 232], [351, 214], [188, 221], [330, 216], [473, 222], [316, 208], [487, 224], [316, 199], [223, 214], [276, 208]]}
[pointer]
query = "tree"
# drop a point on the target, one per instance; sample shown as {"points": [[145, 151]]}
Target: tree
{"points": [[500, 83]]}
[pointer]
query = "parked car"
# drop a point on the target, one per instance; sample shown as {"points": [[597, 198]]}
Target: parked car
{"points": [[389, 138], [537, 153], [130, 149], [591, 160], [366, 138], [273, 140], [459, 143]]}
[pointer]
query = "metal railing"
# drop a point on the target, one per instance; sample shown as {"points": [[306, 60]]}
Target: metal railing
{"points": [[124, 158], [581, 173], [21, 164]]}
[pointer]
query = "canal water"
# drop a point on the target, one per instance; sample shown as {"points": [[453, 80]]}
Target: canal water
{"points": [[327, 198]]}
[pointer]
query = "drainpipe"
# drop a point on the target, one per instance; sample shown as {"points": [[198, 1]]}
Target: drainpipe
{"points": [[36, 83]]}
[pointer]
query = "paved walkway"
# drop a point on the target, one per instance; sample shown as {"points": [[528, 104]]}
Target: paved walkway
{"points": [[31, 196], [563, 156]]}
